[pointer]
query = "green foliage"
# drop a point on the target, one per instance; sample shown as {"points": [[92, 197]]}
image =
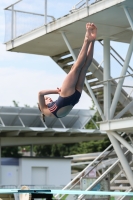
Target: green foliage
{"points": [[10, 152], [60, 150], [25, 105], [15, 103]]}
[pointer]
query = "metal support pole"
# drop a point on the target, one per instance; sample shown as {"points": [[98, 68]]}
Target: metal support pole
{"points": [[124, 110], [68, 45], [86, 82], [128, 17], [107, 86], [122, 158], [15, 29], [107, 103], [120, 83], [86, 3], [31, 150], [45, 14]]}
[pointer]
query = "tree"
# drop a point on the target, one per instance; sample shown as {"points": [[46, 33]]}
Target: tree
{"points": [[15, 103], [10, 152]]}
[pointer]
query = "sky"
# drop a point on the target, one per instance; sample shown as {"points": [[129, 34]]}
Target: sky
{"points": [[22, 76]]}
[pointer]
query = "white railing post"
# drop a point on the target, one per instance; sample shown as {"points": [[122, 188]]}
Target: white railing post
{"points": [[86, 3], [12, 25], [45, 14]]}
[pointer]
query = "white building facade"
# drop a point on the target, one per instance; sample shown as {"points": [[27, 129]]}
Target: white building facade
{"points": [[35, 172]]}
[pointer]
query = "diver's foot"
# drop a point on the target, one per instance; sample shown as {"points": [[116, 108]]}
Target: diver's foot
{"points": [[91, 32]]}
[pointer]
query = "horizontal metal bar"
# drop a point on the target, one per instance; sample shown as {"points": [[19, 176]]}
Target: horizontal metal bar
{"points": [[122, 112], [32, 13], [127, 86], [40, 191], [113, 79], [20, 114], [74, 7], [12, 5]]}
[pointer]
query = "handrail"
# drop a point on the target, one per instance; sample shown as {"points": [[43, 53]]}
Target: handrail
{"points": [[33, 13], [82, 172], [74, 7], [13, 17], [12, 5], [102, 176], [85, 2], [114, 79], [128, 190]]}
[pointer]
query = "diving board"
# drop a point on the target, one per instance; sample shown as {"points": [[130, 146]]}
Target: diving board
{"points": [[78, 192]]}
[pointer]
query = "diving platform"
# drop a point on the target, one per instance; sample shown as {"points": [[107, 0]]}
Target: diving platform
{"points": [[24, 126], [122, 124], [109, 17]]}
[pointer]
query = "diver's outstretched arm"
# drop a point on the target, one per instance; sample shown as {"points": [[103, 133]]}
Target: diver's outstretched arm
{"points": [[41, 98]]}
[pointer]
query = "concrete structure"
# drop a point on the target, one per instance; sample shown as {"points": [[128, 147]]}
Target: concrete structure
{"points": [[24, 126]]}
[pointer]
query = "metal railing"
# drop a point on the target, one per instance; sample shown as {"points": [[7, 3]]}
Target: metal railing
{"points": [[20, 21], [115, 54], [82, 4], [13, 24], [83, 173]]}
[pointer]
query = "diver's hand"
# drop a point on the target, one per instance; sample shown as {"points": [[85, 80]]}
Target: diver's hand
{"points": [[59, 90]]}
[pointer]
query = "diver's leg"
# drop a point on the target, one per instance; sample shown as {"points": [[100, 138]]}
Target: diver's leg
{"points": [[81, 79], [70, 82]]}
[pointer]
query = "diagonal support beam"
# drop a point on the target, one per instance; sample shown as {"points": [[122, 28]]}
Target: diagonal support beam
{"points": [[68, 45], [94, 99], [120, 83], [86, 82], [123, 141], [121, 157], [2, 121], [122, 112], [61, 123], [128, 17]]}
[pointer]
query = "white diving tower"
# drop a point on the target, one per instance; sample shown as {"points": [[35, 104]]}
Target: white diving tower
{"points": [[62, 38]]}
